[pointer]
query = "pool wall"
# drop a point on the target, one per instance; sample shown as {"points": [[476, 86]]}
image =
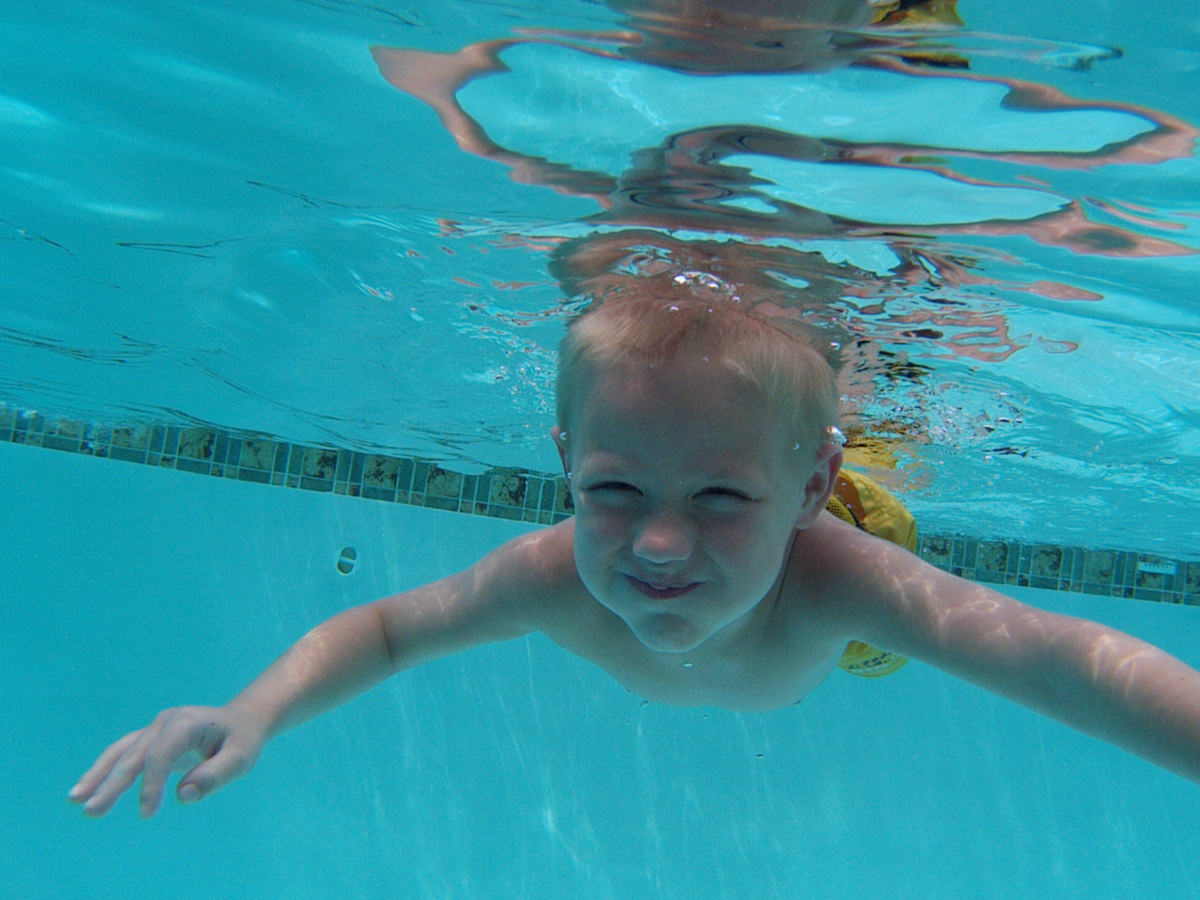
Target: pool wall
{"points": [[514, 770], [542, 498]]}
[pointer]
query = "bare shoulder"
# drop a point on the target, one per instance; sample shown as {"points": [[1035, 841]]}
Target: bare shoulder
{"points": [[536, 566], [535, 579], [845, 572], [513, 590], [874, 591]]}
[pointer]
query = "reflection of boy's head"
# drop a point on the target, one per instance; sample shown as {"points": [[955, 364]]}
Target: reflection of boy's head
{"points": [[641, 333]]}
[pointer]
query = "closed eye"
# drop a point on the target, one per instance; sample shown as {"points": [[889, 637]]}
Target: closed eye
{"points": [[725, 493], [723, 500], [616, 486], [613, 493]]}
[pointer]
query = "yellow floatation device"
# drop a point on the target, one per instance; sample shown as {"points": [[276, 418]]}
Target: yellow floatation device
{"points": [[915, 13], [864, 504], [918, 15]]}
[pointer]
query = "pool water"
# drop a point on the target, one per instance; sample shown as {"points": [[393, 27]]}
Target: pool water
{"points": [[515, 770], [286, 225], [286, 220]]}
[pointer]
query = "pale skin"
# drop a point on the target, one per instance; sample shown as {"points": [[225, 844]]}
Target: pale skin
{"points": [[700, 569]]}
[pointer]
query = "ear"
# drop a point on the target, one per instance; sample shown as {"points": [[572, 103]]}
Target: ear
{"points": [[560, 443], [820, 484]]}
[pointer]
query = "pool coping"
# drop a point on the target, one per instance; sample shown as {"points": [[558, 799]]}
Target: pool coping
{"points": [[539, 498]]}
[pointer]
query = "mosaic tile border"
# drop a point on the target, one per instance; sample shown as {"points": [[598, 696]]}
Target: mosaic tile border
{"points": [[1108, 573], [538, 498], [514, 494]]}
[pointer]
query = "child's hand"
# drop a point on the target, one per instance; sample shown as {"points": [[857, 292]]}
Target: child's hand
{"points": [[216, 745]]}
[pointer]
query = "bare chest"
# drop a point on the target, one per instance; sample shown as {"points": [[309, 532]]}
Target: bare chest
{"points": [[769, 673]]}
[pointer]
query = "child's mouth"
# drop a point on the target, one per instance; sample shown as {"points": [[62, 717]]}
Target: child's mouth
{"points": [[662, 590]]}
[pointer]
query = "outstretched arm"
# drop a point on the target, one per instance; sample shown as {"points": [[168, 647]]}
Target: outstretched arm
{"points": [[334, 662], [1096, 679]]}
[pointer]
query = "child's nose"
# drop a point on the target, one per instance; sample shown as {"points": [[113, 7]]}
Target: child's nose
{"points": [[664, 538]]}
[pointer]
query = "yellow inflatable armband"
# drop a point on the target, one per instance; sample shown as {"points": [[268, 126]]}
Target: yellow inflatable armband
{"points": [[864, 504], [916, 15]]}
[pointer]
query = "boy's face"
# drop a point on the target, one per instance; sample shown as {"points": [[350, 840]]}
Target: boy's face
{"points": [[687, 492]]}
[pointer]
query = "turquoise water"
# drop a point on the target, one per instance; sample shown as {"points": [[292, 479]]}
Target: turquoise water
{"points": [[230, 215], [253, 218], [516, 770]]}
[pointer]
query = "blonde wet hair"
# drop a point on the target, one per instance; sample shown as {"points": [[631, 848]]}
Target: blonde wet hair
{"points": [[775, 358]]}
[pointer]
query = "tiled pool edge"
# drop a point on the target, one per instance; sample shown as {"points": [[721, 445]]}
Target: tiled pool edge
{"points": [[538, 498], [522, 496]]}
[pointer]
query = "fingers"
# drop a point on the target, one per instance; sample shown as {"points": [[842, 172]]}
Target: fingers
{"points": [[176, 739], [228, 764], [189, 736], [112, 773], [173, 744], [91, 779]]}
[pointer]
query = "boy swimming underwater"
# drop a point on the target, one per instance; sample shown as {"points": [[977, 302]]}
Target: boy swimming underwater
{"points": [[700, 568]]}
